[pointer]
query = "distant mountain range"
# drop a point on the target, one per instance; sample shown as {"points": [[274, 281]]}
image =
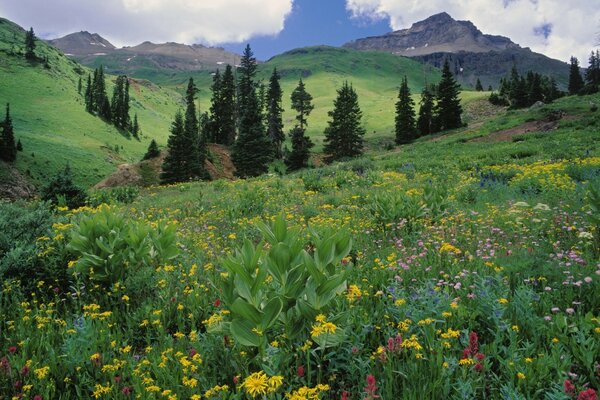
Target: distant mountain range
{"points": [[473, 54], [92, 49]]}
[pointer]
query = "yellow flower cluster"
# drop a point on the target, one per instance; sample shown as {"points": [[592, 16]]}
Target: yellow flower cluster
{"points": [[259, 384], [215, 390], [308, 393], [322, 326], [448, 248]]}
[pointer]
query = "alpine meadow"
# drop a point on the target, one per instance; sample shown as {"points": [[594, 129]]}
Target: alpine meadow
{"points": [[374, 214]]}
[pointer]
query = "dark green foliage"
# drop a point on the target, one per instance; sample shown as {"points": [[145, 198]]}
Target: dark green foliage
{"points": [[478, 86], [79, 86], [135, 127], [490, 88], [517, 91], [344, 134], [30, 45], [175, 164], [152, 151], [191, 129], [448, 109], [274, 114], [252, 151], [8, 148], [61, 190], [424, 122], [96, 100], [89, 100], [120, 104], [21, 226], [406, 130], [19, 145], [221, 126], [575, 79], [592, 75], [301, 144]]}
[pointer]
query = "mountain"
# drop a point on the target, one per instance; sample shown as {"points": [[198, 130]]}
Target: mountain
{"points": [[143, 60], [82, 44], [473, 53]]}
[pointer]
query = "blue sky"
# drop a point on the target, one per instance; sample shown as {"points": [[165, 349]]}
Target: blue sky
{"points": [[314, 22]]}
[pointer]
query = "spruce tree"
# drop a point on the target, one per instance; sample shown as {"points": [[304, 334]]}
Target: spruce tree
{"points": [[424, 122], [534, 88], [120, 103], [19, 145], [228, 107], [89, 100], [344, 133], [405, 115], [252, 151], [274, 114], [152, 151], [8, 148], [448, 110], [30, 45], [197, 149], [592, 75], [62, 188], [213, 129], [174, 164], [575, 79], [79, 86], [301, 144], [135, 127], [478, 86]]}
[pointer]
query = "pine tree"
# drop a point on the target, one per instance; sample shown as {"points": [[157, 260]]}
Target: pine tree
{"points": [[19, 145], [135, 127], [534, 88], [152, 151], [301, 144], [174, 164], [344, 133], [89, 101], [228, 107], [213, 129], [478, 86], [424, 122], [575, 79], [197, 149], [274, 114], [62, 188], [448, 110], [79, 86], [30, 45], [405, 115], [120, 103], [252, 151], [592, 75], [8, 148]]}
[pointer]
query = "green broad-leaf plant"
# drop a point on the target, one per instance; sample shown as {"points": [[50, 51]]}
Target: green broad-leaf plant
{"points": [[280, 285]]}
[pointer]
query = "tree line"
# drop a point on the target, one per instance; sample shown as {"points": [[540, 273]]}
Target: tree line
{"points": [[591, 84], [247, 116], [520, 91]]}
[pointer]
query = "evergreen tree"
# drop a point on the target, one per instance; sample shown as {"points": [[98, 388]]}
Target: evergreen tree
{"points": [[135, 127], [575, 79], [79, 86], [252, 151], [592, 75], [19, 145], [301, 144], [152, 151], [213, 130], [8, 148], [490, 88], [448, 110], [344, 133], [405, 115], [478, 86], [30, 45], [120, 103], [274, 114], [89, 101], [228, 108], [424, 122], [517, 89], [196, 149], [174, 165], [62, 188], [534, 88]]}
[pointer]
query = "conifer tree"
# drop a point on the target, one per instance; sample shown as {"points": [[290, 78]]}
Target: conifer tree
{"points": [[478, 86], [8, 148], [62, 188], [135, 127], [592, 75], [252, 151], [79, 86], [197, 149], [174, 165], [228, 108], [424, 122], [344, 133], [152, 151], [30, 45], [274, 114], [89, 100], [213, 129], [575, 79], [301, 144], [120, 103], [448, 109], [19, 145], [405, 115]]}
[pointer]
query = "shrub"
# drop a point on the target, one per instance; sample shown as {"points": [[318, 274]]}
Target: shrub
{"points": [[61, 190]]}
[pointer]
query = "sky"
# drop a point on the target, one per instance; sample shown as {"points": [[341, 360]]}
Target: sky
{"points": [[557, 28]]}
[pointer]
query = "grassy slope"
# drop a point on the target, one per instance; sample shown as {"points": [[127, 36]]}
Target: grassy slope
{"points": [[50, 119]]}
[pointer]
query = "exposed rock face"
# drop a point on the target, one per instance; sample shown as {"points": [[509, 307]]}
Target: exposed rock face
{"points": [[82, 44], [472, 53]]}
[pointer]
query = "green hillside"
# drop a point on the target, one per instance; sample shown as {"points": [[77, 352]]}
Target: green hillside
{"points": [[50, 118]]}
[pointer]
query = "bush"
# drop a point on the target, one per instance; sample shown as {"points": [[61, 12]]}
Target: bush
{"points": [[123, 195], [61, 190]]}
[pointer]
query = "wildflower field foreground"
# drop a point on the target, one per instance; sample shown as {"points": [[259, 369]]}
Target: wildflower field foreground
{"points": [[458, 268]]}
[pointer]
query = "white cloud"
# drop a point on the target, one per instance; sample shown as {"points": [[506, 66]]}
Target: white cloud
{"points": [[132, 21], [575, 23]]}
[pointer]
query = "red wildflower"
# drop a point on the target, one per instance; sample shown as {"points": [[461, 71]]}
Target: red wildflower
{"points": [[126, 391], [217, 303], [4, 364], [371, 388], [569, 387], [480, 357], [478, 367], [300, 371], [473, 345], [589, 394], [193, 352], [117, 379], [25, 370], [344, 395], [12, 349], [18, 385], [37, 397]]}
